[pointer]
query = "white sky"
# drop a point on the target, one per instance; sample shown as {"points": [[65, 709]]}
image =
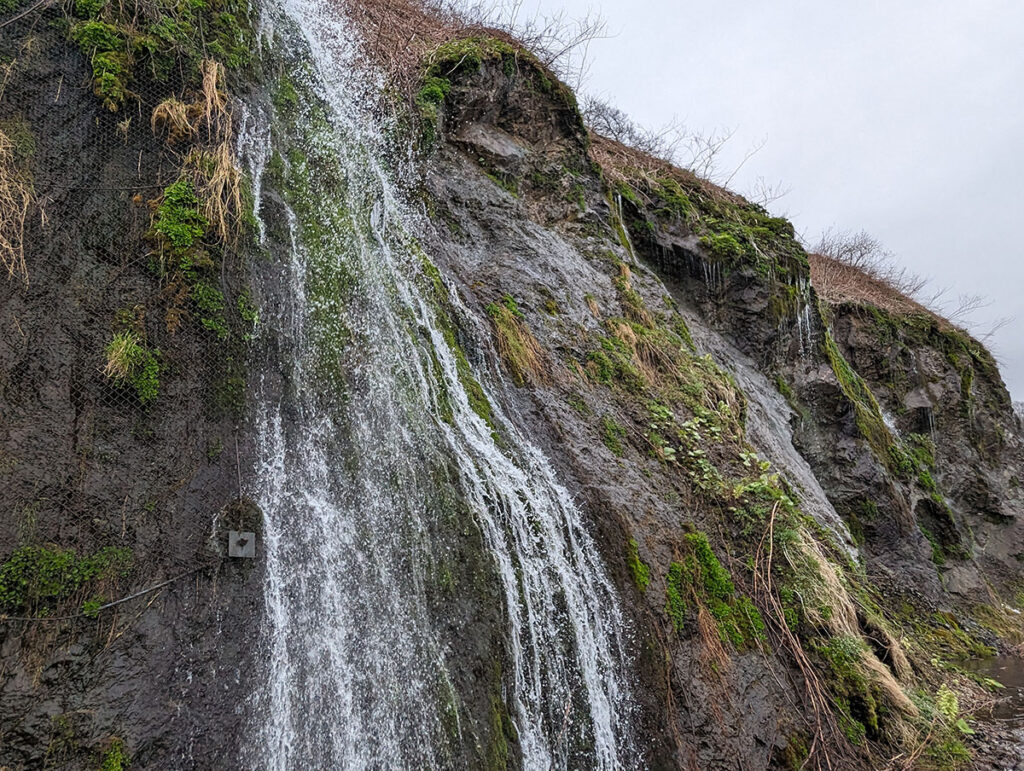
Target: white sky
{"points": [[904, 118]]}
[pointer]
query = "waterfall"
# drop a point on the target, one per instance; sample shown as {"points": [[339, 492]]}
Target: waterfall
{"points": [[365, 436]]}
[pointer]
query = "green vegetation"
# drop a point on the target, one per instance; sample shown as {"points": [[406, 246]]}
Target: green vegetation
{"points": [[35, 578], [116, 758], [612, 435], [190, 253], [516, 343], [722, 246], [178, 219], [131, 363], [700, 578], [869, 418], [432, 93], [852, 691], [159, 41], [641, 572]]}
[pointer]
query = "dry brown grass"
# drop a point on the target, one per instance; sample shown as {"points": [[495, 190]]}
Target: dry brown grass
{"points": [[399, 34], [179, 119], [517, 346], [207, 120], [16, 198], [220, 187], [836, 282], [622, 164]]}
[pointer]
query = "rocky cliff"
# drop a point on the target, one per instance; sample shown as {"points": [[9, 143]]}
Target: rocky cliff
{"points": [[806, 503]]}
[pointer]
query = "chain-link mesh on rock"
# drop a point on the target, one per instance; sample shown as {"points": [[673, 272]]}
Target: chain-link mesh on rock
{"points": [[124, 322]]}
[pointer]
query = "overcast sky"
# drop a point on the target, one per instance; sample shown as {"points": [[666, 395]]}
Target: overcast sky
{"points": [[905, 119]]}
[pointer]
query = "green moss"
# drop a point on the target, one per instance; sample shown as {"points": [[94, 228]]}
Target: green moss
{"points": [[178, 218], [248, 312], [468, 55], [702, 577], [474, 392], [612, 365], [34, 578], [948, 755], [869, 418], [783, 388], [155, 41], [433, 91], [676, 203], [722, 246], [612, 435], [640, 571], [502, 729], [680, 327]]}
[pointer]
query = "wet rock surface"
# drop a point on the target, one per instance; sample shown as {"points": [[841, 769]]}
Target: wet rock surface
{"points": [[84, 466]]}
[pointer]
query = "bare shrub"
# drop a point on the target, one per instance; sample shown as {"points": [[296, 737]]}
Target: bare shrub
{"points": [[609, 121], [849, 266]]}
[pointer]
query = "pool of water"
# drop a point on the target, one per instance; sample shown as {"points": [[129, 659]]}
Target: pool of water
{"points": [[1008, 670]]}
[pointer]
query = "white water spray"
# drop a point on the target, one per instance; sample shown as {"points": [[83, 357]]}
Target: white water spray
{"points": [[351, 435]]}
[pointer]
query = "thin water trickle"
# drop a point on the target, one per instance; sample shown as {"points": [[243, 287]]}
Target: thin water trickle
{"points": [[350, 436]]}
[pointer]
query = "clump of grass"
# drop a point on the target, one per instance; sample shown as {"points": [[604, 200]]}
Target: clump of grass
{"points": [[116, 757], [216, 177], [516, 343], [178, 119], [220, 188], [131, 362]]}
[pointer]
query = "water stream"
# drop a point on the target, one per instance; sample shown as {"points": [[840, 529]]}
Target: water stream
{"points": [[360, 405]]}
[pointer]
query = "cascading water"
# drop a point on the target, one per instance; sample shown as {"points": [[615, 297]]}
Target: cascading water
{"points": [[362, 401]]}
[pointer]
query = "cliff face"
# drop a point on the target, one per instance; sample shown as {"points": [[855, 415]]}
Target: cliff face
{"points": [[677, 324], [808, 510]]}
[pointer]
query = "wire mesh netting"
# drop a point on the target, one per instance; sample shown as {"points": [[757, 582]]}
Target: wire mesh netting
{"points": [[124, 318]]}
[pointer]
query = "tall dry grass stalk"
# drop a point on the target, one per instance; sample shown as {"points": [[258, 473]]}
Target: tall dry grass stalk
{"points": [[16, 198]]}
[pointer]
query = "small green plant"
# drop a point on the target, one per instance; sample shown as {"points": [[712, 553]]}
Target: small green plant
{"points": [[210, 302], [91, 608], [131, 362], [116, 758]]}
